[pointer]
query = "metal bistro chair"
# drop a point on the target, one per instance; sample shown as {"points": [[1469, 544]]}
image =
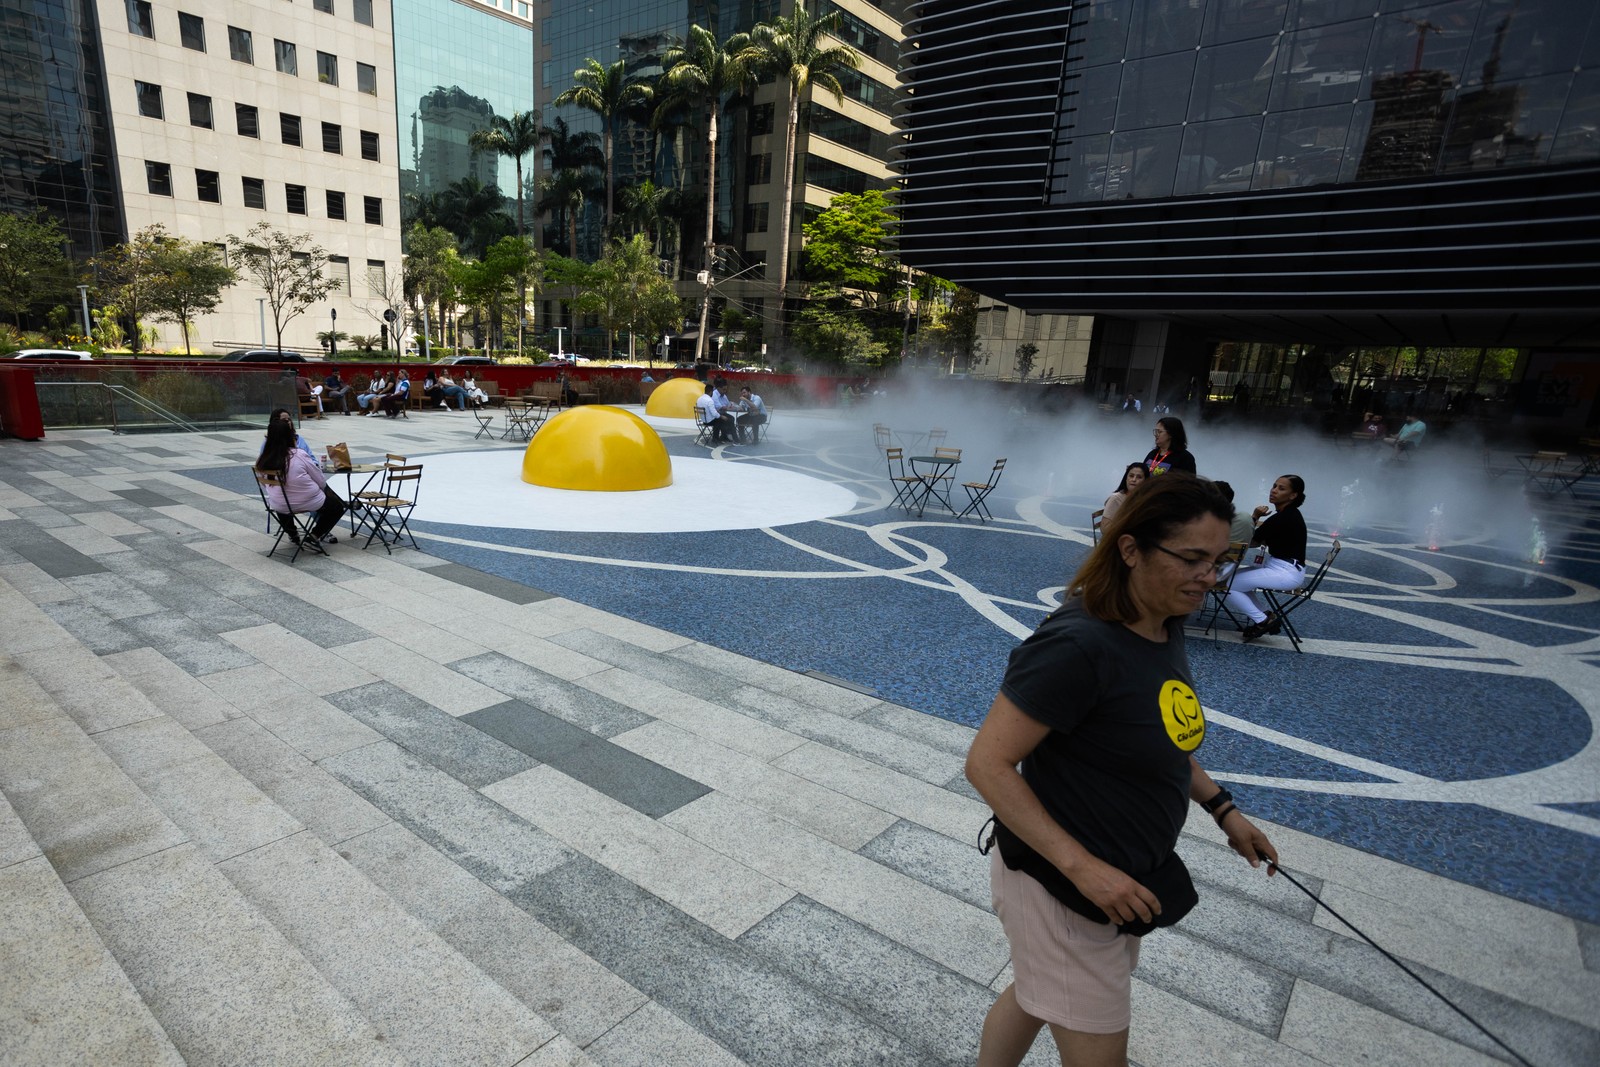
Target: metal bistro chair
{"points": [[905, 486], [300, 522], [1095, 522], [1283, 601], [702, 428], [388, 519], [977, 492], [485, 417], [880, 436], [1218, 593]]}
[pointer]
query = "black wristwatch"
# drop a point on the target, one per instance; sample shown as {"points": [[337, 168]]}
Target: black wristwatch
{"points": [[1216, 802]]}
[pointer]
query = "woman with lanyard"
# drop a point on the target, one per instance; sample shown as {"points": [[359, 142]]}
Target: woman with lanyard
{"points": [[1172, 448], [1098, 707], [1284, 536]]}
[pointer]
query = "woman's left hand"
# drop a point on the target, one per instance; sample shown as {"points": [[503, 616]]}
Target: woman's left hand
{"points": [[1248, 841]]}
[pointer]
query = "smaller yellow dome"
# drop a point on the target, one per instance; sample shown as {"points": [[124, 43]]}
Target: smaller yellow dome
{"points": [[674, 399], [599, 448]]}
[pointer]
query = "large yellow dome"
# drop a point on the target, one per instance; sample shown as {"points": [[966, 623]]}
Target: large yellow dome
{"points": [[675, 399], [599, 448]]}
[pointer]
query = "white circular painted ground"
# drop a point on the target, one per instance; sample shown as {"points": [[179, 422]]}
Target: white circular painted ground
{"points": [[486, 489]]}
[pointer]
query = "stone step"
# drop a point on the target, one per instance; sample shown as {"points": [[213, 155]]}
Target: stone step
{"points": [[63, 998]]}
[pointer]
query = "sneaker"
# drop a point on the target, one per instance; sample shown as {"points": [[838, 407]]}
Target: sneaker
{"points": [[443, 404]]}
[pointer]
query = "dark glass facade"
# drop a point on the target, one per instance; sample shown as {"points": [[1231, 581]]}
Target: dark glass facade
{"points": [[1165, 98], [55, 126]]}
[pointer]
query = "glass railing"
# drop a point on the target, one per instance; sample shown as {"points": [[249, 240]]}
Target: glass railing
{"points": [[160, 398]]}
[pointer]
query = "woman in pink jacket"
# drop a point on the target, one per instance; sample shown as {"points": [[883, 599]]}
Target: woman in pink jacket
{"points": [[307, 489]]}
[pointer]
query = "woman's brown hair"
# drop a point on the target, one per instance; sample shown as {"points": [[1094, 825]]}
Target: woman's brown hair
{"points": [[1160, 506]]}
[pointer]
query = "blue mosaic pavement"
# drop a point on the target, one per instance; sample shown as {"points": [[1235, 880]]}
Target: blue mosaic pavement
{"points": [[1442, 714]]}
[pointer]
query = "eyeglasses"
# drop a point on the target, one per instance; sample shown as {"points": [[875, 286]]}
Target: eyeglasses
{"points": [[1203, 565]]}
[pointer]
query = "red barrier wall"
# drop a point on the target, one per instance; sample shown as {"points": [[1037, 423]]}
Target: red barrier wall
{"points": [[19, 404]]}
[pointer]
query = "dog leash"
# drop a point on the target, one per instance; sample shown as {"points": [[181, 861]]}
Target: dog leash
{"points": [[1274, 868]]}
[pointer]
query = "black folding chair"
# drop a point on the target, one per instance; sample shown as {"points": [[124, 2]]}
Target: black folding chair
{"points": [[1218, 593], [1283, 601], [388, 517], [1095, 521], [485, 417], [906, 486], [977, 492], [300, 523]]}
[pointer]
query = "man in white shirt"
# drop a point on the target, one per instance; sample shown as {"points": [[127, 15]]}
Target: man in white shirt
{"points": [[755, 414], [707, 407]]}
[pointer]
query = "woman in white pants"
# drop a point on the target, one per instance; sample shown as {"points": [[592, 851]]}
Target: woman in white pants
{"points": [[1284, 535]]}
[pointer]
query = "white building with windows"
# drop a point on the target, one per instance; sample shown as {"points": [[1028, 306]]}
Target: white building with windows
{"points": [[227, 113]]}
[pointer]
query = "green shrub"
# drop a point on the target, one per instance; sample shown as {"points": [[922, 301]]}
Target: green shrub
{"points": [[614, 389], [185, 394]]}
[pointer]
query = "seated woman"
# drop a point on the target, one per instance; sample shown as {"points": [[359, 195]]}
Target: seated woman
{"points": [[474, 394], [1284, 535], [394, 403], [305, 487], [1133, 476], [375, 392], [449, 390], [431, 387], [285, 415]]}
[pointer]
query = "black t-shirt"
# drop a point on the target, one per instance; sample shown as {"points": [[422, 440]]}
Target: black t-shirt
{"points": [[1284, 534], [1123, 718], [1179, 459]]}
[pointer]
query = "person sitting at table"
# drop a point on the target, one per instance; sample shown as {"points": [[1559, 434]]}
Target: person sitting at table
{"points": [[1284, 535], [755, 414], [1133, 476], [719, 422], [449, 390], [285, 415], [398, 397], [333, 387], [1372, 425], [378, 387], [304, 486], [1410, 435]]}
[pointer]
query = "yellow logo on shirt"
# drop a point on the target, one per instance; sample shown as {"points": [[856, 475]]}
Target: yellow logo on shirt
{"points": [[1182, 716]]}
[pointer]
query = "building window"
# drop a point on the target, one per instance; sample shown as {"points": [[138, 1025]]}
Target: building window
{"points": [[338, 272], [240, 46], [760, 169], [149, 100], [755, 217], [140, 20], [247, 119], [367, 78], [289, 128], [255, 193], [294, 198], [323, 5], [761, 119], [208, 186], [200, 111], [363, 12], [372, 207], [369, 145], [335, 205], [327, 68], [377, 277], [192, 31], [332, 138], [158, 177], [287, 64]]}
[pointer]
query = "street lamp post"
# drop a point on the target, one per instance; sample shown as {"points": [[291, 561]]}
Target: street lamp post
{"points": [[261, 309], [333, 335], [83, 300]]}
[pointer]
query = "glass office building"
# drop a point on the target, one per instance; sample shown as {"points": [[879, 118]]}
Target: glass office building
{"points": [[457, 65], [55, 124]]}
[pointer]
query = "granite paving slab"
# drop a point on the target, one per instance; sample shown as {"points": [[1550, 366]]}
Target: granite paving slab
{"points": [[554, 696], [469, 755], [184, 641]]}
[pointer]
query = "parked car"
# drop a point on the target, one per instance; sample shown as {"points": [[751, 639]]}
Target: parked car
{"points": [[51, 353], [475, 361], [265, 355], [555, 363]]}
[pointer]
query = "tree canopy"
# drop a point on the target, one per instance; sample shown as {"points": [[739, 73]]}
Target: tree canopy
{"points": [[34, 266]]}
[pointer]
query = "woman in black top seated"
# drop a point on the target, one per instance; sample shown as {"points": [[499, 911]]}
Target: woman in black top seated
{"points": [[1099, 709], [1172, 448], [1284, 535]]}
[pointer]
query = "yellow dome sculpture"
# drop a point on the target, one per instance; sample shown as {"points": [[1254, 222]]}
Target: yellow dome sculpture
{"points": [[674, 399], [598, 448]]}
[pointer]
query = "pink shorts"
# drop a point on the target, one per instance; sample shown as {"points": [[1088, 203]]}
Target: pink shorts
{"points": [[1069, 971]]}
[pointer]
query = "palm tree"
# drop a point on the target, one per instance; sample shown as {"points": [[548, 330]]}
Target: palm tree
{"points": [[793, 48], [607, 92], [565, 191], [514, 137], [703, 72]]}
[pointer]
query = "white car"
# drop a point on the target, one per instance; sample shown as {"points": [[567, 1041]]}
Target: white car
{"points": [[50, 353]]}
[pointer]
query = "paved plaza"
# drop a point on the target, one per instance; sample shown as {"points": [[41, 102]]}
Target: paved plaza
{"points": [[674, 778]]}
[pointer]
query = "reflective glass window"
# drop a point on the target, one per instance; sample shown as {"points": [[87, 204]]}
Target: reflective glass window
{"points": [[1422, 50], [255, 193], [1303, 147], [323, 5], [758, 169], [200, 111], [158, 178], [1082, 170], [1155, 92], [367, 79], [1322, 65], [1094, 103], [1309, 13], [1142, 163], [1102, 27], [283, 52], [140, 21], [247, 119], [335, 205], [327, 68], [149, 100], [1505, 124], [1233, 79], [192, 31], [332, 138], [1218, 157], [1526, 38], [1238, 20], [1157, 27], [294, 199], [363, 12], [208, 186], [1578, 136], [289, 128], [240, 46]]}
